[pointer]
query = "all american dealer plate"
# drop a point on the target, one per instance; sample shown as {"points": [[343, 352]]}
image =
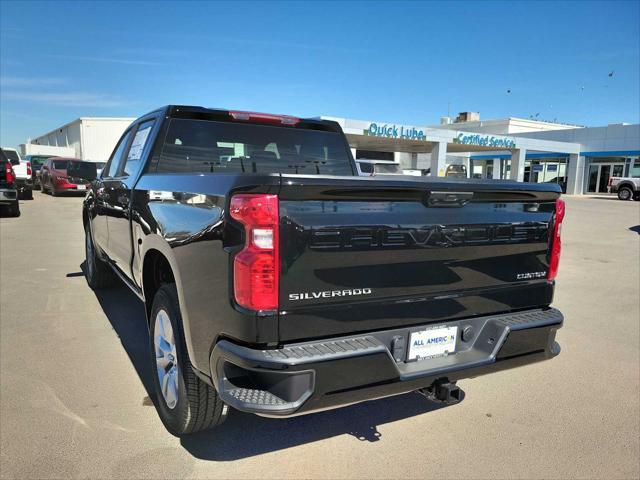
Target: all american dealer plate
{"points": [[432, 342]]}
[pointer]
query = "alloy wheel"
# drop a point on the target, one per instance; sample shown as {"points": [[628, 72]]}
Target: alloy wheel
{"points": [[166, 358]]}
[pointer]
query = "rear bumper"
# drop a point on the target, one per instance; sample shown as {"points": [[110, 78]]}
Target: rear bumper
{"points": [[66, 187], [23, 184], [8, 196], [306, 377]]}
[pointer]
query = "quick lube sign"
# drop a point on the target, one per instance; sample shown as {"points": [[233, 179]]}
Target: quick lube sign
{"points": [[395, 131], [484, 140]]}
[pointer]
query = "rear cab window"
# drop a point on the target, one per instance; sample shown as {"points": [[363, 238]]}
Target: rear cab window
{"points": [[206, 146], [13, 157], [38, 160]]}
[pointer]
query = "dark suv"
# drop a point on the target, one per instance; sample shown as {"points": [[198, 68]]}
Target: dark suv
{"points": [[37, 161], [8, 191]]}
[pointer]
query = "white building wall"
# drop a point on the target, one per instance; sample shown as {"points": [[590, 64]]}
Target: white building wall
{"points": [[596, 139], [99, 137], [72, 136], [67, 136], [33, 149], [506, 126], [90, 138]]}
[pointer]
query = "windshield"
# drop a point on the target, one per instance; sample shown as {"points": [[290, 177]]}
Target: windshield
{"points": [[211, 146], [13, 157]]}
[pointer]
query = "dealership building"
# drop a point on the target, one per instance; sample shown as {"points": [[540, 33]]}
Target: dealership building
{"points": [[581, 159], [87, 138]]}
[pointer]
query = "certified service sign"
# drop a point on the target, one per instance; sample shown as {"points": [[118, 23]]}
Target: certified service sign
{"points": [[484, 140]]}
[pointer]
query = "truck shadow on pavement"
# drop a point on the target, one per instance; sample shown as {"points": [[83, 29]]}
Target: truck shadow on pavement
{"points": [[246, 435]]}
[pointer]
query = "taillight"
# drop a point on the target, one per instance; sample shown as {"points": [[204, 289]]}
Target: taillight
{"points": [[264, 118], [555, 240], [28, 169], [9, 176], [256, 268]]}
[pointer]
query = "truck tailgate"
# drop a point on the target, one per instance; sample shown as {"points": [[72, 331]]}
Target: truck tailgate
{"points": [[362, 254]]}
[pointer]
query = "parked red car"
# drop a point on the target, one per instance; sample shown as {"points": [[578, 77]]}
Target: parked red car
{"points": [[63, 175]]}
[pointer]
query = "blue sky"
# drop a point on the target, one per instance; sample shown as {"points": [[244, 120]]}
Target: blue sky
{"points": [[390, 61]]}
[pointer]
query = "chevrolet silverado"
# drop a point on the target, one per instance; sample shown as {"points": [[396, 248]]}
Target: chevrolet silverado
{"points": [[277, 281]]}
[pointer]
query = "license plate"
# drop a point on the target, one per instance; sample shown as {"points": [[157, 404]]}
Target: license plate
{"points": [[433, 342], [81, 187]]}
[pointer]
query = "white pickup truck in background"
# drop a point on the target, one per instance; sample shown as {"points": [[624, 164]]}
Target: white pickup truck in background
{"points": [[627, 188], [23, 173]]}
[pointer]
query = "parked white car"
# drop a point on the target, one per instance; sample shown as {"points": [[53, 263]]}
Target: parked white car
{"points": [[414, 172], [23, 173], [368, 168]]}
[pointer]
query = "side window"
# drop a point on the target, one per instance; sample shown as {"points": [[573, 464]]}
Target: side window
{"points": [[113, 164], [134, 157]]}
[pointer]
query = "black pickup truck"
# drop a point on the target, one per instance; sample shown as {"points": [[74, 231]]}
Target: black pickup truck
{"points": [[276, 281]]}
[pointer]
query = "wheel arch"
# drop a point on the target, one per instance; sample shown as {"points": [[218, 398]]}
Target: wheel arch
{"points": [[629, 185], [156, 270], [85, 217], [158, 267]]}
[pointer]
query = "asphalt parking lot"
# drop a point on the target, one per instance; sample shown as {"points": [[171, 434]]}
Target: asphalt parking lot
{"points": [[74, 380]]}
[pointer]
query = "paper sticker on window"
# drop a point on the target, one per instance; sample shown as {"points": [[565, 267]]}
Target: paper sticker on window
{"points": [[135, 152]]}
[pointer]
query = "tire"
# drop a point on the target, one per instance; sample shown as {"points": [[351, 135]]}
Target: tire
{"points": [[188, 404], [13, 210], [97, 272], [625, 193], [28, 195]]}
